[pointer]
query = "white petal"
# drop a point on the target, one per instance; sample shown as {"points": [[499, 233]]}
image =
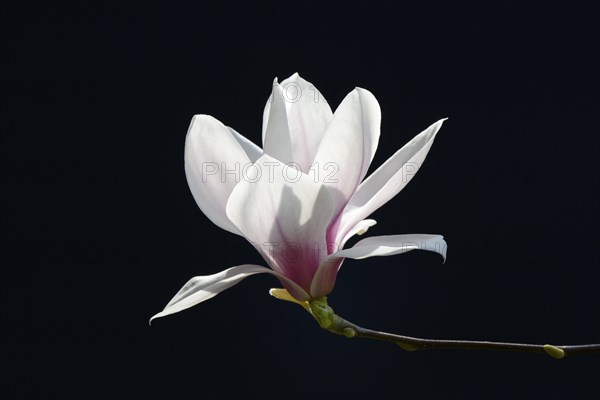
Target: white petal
{"points": [[358, 229], [202, 288], [325, 277], [394, 244], [284, 214], [211, 150], [276, 134], [349, 144], [308, 115], [389, 179], [252, 150]]}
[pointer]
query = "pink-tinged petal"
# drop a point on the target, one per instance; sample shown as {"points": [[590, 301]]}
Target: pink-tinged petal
{"points": [[214, 160], [387, 180], [202, 288], [348, 145], [325, 277], [284, 214], [276, 134]]}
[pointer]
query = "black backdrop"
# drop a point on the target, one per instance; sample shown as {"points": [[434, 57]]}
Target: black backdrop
{"points": [[101, 229]]}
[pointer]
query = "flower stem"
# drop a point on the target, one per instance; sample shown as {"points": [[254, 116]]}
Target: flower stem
{"points": [[348, 329], [332, 322]]}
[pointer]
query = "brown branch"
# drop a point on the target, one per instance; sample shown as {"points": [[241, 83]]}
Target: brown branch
{"points": [[328, 319], [342, 327]]}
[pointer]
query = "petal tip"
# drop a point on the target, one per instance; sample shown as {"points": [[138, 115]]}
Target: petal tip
{"points": [[153, 318], [444, 250], [199, 118]]}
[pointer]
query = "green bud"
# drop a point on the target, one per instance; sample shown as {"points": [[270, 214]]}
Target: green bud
{"points": [[322, 312], [554, 352], [349, 332], [407, 346]]}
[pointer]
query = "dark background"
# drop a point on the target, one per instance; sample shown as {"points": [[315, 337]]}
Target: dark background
{"points": [[101, 229]]}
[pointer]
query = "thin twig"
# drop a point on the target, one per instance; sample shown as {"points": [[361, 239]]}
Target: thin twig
{"points": [[349, 329], [329, 320]]}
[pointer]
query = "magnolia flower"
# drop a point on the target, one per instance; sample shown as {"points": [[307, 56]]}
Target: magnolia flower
{"points": [[302, 196]]}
